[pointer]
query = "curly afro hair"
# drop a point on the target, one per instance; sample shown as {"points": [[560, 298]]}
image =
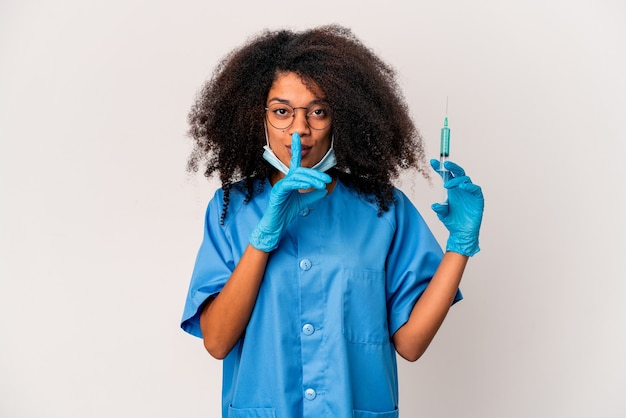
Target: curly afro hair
{"points": [[375, 136]]}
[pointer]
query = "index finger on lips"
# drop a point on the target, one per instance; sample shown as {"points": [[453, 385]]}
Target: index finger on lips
{"points": [[296, 152]]}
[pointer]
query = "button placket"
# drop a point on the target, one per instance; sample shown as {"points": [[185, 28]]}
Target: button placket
{"points": [[311, 319]]}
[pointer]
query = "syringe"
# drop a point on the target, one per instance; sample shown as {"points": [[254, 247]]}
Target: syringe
{"points": [[444, 153]]}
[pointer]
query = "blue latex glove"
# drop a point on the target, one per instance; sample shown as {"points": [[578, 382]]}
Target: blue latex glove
{"points": [[463, 214], [286, 201]]}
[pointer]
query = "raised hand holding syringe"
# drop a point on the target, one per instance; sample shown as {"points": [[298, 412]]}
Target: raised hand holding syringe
{"points": [[462, 206]]}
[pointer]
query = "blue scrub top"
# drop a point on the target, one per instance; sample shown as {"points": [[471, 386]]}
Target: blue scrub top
{"points": [[339, 285]]}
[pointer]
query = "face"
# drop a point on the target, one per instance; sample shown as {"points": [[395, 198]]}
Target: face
{"points": [[288, 88]]}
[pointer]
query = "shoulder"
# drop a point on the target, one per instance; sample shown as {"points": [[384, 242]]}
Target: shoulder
{"points": [[398, 200], [354, 198], [235, 198], [401, 201], [401, 208], [403, 213], [238, 192]]}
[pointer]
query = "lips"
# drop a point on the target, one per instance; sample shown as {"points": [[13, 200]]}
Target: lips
{"points": [[305, 149]]}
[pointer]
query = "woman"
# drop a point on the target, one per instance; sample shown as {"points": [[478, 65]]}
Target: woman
{"points": [[314, 269]]}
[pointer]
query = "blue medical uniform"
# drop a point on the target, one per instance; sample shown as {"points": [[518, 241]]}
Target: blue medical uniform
{"points": [[341, 282]]}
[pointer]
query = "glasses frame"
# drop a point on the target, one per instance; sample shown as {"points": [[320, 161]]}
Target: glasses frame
{"points": [[293, 117]]}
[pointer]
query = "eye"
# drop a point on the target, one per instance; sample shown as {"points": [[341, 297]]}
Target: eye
{"points": [[281, 111], [319, 112]]}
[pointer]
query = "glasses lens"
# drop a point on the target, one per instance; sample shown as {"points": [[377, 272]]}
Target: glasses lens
{"points": [[318, 116], [281, 115]]}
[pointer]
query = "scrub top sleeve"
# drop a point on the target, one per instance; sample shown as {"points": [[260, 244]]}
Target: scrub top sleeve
{"points": [[214, 265], [413, 258]]}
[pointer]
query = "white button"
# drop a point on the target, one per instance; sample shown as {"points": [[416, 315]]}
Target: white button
{"points": [[308, 329], [310, 394], [305, 264], [305, 211]]}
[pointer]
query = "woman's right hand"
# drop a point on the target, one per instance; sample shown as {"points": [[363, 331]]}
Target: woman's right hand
{"points": [[286, 199]]}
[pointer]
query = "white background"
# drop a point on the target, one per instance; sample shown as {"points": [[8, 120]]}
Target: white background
{"points": [[99, 222]]}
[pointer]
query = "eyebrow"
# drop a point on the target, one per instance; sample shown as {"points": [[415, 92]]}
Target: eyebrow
{"points": [[312, 102]]}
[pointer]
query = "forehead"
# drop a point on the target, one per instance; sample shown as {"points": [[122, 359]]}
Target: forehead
{"points": [[290, 86]]}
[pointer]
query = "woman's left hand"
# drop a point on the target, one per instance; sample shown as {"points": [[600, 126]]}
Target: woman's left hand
{"points": [[463, 214]]}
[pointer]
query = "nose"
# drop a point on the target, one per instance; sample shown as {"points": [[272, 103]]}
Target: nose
{"points": [[299, 123]]}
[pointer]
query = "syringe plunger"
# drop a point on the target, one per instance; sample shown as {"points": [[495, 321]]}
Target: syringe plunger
{"points": [[444, 153]]}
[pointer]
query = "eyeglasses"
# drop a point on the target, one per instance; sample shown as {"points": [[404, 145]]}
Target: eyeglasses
{"points": [[281, 115]]}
